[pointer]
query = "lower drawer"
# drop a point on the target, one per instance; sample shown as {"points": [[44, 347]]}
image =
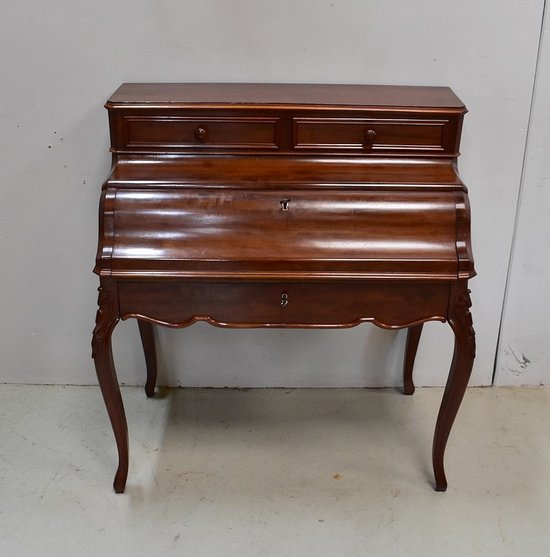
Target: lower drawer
{"points": [[283, 304]]}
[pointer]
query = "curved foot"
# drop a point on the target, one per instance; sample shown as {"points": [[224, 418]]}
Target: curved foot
{"points": [[121, 475], [413, 337], [102, 353], [147, 335], [460, 320]]}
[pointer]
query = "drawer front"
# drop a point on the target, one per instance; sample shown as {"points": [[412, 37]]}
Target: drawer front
{"points": [[183, 133], [196, 232], [374, 135], [284, 304]]}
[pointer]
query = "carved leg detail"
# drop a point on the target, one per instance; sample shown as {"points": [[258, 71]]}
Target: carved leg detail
{"points": [[106, 319], [461, 368], [413, 337], [147, 334]]}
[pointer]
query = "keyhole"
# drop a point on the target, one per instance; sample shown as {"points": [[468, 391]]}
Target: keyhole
{"points": [[284, 204], [284, 299]]}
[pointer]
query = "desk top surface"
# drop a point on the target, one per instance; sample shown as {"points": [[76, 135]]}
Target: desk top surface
{"points": [[285, 94]]}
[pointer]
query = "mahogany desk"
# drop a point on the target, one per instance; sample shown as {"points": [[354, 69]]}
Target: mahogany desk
{"points": [[250, 205]]}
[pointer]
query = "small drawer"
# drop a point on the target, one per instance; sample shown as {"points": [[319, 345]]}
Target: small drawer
{"points": [[372, 134], [177, 133], [283, 304]]}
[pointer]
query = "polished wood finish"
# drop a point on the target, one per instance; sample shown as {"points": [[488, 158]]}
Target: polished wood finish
{"points": [[256, 205], [102, 353], [460, 320], [373, 134], [147, 334], [286, 95], [413, 338], [246, 304]]}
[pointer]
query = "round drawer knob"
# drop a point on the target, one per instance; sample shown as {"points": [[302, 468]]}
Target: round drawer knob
{"points": [[200, 134], [370, 136], [284, 299]]}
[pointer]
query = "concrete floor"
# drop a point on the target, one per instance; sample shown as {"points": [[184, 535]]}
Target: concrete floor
{"points": [[341, 472]]}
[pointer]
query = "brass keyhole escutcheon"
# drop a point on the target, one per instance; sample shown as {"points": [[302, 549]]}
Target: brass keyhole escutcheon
{"points": [[284, 204], [284, 300]]}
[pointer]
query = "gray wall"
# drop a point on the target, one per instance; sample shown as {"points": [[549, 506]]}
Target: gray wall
{"points": [[60, 61], [524, 351]]}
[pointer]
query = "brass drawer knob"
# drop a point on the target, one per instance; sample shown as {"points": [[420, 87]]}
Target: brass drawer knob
{"points": [[284, 300], [200, 134]]}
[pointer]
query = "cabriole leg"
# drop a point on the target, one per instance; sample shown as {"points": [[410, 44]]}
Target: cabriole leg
{"points": [[413, 337], [460, 320], [106, 319], [146, 331]]}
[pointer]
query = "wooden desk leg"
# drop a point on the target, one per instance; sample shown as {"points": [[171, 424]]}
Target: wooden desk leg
{"points": [[413, 337], [146, 331], [106, 319], [460, 320]]}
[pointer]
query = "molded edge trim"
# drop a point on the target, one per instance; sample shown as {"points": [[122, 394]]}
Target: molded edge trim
{"points": [[221, 324]]}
